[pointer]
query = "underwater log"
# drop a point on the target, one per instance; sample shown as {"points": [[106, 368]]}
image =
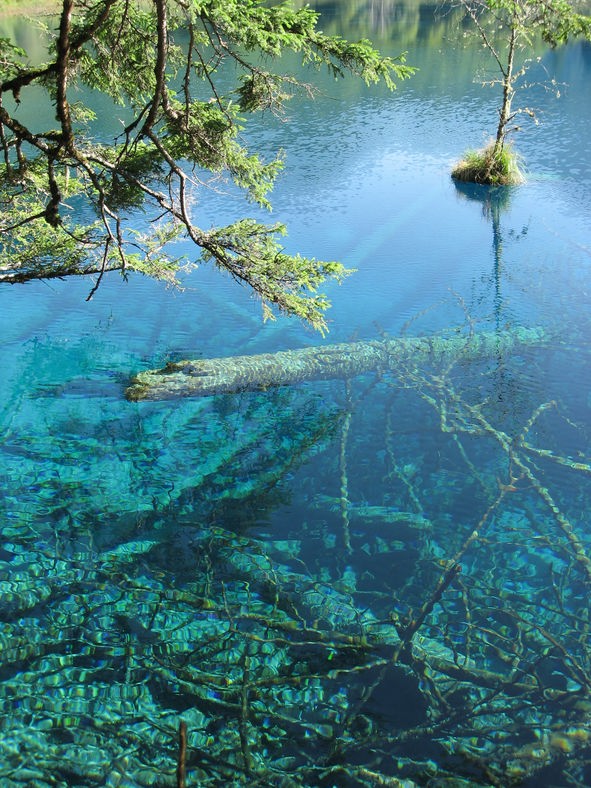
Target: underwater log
{"points": [[203, 377]]}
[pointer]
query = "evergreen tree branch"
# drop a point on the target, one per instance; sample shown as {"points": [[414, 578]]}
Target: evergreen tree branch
{"points": [[131, 52]]}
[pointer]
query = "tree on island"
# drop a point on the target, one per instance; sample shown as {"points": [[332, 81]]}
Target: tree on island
{"points": [[160, 60], [508, 30]]}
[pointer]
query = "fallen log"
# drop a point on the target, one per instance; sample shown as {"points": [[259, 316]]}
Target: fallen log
{"points": [[203, 377]]}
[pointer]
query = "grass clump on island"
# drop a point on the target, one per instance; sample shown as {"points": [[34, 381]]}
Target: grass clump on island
{"points": [[493, 165]]}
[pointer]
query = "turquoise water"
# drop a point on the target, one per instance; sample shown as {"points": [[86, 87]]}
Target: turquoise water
{"points": [[333, 583]]}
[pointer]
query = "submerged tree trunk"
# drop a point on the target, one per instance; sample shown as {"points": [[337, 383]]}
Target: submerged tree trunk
{"points": [[203, 377]]}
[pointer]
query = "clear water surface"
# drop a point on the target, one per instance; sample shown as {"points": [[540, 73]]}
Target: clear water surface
{"points": [[380, 581]]}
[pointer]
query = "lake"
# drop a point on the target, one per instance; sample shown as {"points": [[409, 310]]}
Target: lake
{"points": [[377, 580]]}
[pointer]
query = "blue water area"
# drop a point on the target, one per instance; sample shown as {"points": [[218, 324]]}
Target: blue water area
{"points": [[375, 581]]}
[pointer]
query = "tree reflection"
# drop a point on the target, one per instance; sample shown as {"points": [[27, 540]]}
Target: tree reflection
{"points": [[494, 201], [405, 22]]}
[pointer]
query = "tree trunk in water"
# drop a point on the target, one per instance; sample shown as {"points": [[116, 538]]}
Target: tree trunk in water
{"points": [[203, 377], [508, 91]]}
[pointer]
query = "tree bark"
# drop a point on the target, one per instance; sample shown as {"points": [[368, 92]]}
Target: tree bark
{"points": [[505, 115]]}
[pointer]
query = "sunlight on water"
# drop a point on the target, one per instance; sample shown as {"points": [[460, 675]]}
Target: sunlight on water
{"points": [[331, 583]]}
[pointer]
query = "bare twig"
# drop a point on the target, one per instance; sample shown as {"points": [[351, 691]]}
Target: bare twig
{"points": [[182, 756]]}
